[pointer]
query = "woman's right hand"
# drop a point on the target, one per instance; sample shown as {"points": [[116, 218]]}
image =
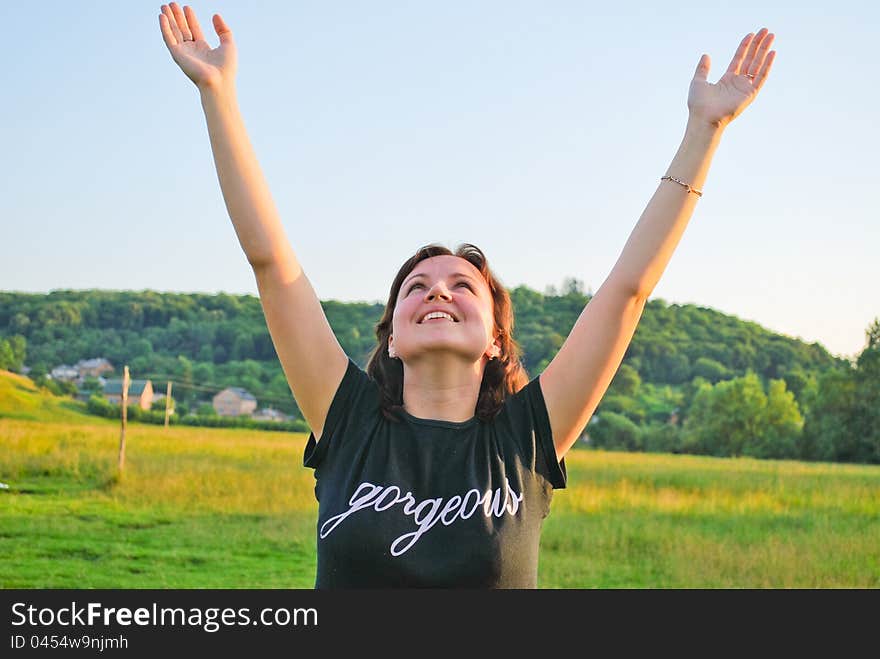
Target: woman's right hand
{"points": [[205, 66]]}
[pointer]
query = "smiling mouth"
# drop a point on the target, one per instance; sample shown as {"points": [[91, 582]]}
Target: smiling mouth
{"points": [[428, 320]]}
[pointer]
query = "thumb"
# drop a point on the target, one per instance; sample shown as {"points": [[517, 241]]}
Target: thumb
{"points": [[702, 71], [222, 29]]}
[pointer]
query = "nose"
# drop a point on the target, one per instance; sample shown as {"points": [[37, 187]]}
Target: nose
{"points": [[438, 290]]}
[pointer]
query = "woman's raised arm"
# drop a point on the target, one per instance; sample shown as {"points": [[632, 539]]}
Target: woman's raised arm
{"points": [[310, 355], [578, 376]]}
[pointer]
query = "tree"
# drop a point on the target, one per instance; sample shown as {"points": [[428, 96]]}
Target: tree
{"points": [[865, 424], [661, 438], [782, 426], [843, 422], [159, 405], [798, 381], [7, 359], [203, 373], [19, 323], [243, 347], [624, 405], [206, 409], [873, 335], [57, 387], [185, 373], [12, 353], [711, 370], [735, 417], [826, 434], [615, 432], [570, 285], [626, 381], [91, 384], [99, 405]]}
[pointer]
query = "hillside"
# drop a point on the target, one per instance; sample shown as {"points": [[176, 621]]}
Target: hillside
{"points": [[207, 342], [21, 399]]}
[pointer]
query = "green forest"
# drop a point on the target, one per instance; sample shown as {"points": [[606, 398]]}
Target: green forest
{"points": [[693, 380]]}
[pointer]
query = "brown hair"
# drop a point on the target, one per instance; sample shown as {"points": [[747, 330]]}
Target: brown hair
{"points": [[502, 376]]}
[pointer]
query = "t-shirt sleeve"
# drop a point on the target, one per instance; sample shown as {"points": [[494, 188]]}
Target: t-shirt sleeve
{"points": [[357, 394], [529, 408]]}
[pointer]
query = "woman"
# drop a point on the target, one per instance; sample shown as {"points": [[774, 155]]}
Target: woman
{"points": [[435, 467]]}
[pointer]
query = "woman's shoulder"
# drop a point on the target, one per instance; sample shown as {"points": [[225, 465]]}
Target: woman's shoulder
{"points": [[523, 418], [356, 398]]}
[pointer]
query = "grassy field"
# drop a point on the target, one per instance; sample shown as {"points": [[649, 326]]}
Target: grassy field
{"points": [[229, 508]]}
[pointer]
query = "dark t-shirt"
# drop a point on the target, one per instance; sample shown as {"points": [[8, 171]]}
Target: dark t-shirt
{"points": [[427, 503]]}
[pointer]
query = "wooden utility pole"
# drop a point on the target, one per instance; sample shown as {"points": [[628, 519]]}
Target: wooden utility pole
{"points": [[125, 382], [168, 403]]}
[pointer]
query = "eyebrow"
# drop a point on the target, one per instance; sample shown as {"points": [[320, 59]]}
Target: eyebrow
{"points": [[422, 274]]}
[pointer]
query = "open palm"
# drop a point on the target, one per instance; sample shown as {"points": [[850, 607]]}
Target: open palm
{"points": [[724, 101], [202, 64]]}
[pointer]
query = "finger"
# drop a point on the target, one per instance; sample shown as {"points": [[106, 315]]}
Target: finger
{"points": [[758, 60], [167, 34], [736, 62], [222, 29], [703, 66], [749, 61], [765, 70], [193, 23], [181, 22], [172, 23]]}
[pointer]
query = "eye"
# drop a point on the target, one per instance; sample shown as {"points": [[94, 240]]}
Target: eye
{"points": [[461, 283]]}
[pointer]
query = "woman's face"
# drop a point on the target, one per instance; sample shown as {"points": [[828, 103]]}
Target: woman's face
{"points": [[456, 286]]}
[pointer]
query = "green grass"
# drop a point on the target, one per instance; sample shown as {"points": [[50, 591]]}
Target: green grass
{"points": [[651, 520], [231, 508]]}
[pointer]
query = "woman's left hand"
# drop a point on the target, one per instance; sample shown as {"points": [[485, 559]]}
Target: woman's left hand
{"points": [[721, 103]]}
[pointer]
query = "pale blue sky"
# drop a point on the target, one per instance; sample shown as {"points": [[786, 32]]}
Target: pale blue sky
{"points": [[536, 130]]}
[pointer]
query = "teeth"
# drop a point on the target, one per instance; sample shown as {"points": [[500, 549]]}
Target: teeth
{"points": [[438, 314]]}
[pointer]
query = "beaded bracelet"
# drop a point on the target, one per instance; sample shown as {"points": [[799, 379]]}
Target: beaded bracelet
{"points": [[689, 188]]}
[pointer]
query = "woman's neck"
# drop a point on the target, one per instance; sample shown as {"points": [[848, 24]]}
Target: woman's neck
{"points": [[441, 391]]}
